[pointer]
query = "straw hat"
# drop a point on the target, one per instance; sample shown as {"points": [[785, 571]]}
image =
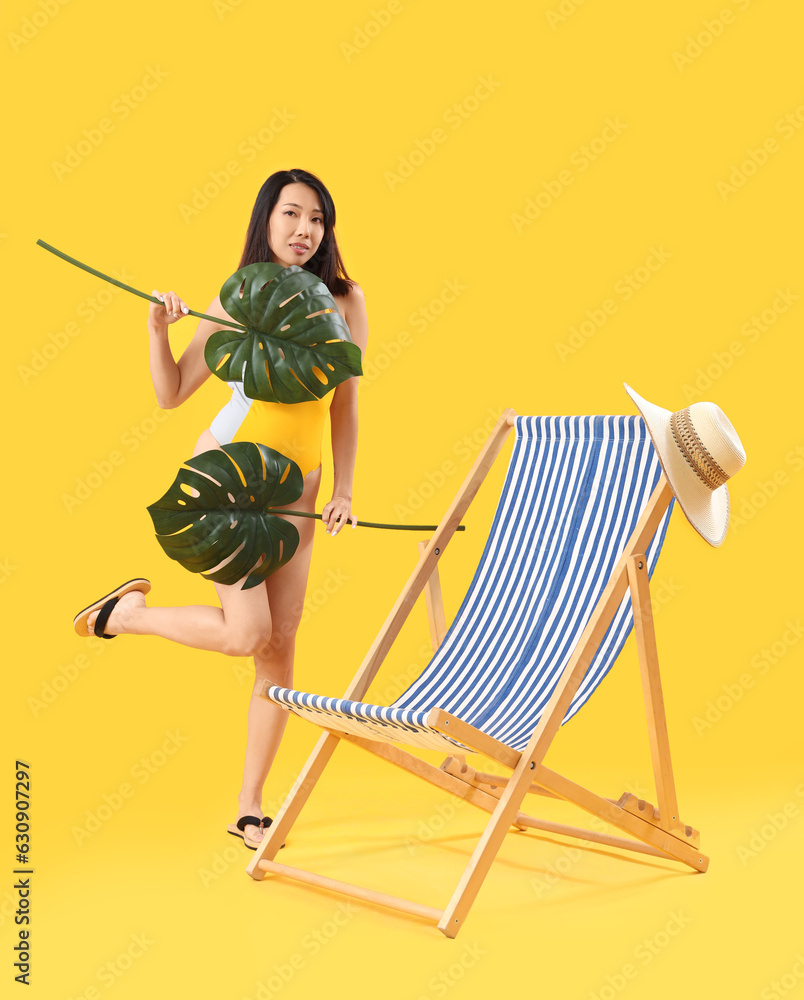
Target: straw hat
{"points": [[699, 451]]}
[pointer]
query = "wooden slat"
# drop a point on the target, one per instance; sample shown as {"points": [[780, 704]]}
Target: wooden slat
{"points": [[639, 582], [452, 726], [434, 601], [457, 766], [523, 821], [612, 813], [579, 833], [648, 812], [458, 779], [496, 781], [357, 891], [435, 775]]}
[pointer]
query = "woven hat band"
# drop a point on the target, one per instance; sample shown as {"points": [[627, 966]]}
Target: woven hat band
{"points": [[694, 451]]}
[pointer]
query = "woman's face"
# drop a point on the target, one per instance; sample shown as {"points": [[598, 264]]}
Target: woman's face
{"points": [[295, 226]]}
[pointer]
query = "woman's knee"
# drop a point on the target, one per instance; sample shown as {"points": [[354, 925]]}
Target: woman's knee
{"points": [[283, 639], [281, 678], [277, 674], [274, 666], [246, 640]]}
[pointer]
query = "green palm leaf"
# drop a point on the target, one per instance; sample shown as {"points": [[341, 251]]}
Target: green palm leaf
{"points": [[216, 507], [286, 353]]}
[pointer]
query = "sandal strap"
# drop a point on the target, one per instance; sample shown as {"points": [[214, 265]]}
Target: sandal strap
{"points": [[245, 821], [103, 617]]}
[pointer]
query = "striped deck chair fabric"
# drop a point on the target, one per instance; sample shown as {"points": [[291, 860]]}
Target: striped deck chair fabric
{"points": [[573, 493]]}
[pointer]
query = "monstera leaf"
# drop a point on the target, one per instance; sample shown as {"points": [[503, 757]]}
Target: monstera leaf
{"points": [[286, 354], [216, 507]]}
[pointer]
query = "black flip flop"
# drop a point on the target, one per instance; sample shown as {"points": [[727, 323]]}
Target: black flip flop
{"points": [[104, 606], [238, 829]]}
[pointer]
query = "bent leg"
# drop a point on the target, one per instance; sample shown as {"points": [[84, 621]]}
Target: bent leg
{"points": [[239, 627]]}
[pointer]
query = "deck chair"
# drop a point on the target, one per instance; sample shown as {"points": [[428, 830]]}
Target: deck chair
{"points": [[563, 578]]}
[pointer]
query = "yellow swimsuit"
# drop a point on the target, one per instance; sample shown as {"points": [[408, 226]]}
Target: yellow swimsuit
{"points": [[293, 429]]}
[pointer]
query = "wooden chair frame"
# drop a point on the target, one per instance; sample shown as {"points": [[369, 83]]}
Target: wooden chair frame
{"points": [[654, 831]]}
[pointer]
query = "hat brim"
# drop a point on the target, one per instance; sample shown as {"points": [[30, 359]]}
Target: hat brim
{"points": [[706, 510]]}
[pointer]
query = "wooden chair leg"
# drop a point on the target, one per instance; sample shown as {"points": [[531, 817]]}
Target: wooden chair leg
{"points": [[639, 584], [486, 850], [293, 804], [435, 604]]}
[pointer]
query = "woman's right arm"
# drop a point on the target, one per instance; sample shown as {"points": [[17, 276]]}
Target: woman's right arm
{"points": [[175, 381]]}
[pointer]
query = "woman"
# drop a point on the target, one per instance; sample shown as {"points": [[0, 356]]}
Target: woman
{"points": [[292, 222]]}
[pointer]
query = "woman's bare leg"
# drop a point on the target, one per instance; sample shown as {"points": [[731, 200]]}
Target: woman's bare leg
{"points": [[259, 622], [266, 721], [239, 627]]}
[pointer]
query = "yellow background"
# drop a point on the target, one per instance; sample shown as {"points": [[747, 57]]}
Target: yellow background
{"points": [[155, 901]]}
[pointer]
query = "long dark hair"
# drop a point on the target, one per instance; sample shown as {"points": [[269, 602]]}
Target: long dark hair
{"points": [[326, 262]]}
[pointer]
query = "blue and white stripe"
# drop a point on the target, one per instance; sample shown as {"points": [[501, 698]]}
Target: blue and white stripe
{"points": [[574, 491]]}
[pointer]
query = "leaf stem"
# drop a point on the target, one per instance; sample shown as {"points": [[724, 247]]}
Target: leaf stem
{"points": [[234, 326], [363, 524], [128, 288]]}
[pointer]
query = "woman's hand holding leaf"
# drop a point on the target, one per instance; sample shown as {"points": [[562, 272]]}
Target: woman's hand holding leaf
{"points": [[170, 309]]}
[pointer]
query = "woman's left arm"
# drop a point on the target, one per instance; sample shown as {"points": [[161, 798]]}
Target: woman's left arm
{"points": [[343, 418]]}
